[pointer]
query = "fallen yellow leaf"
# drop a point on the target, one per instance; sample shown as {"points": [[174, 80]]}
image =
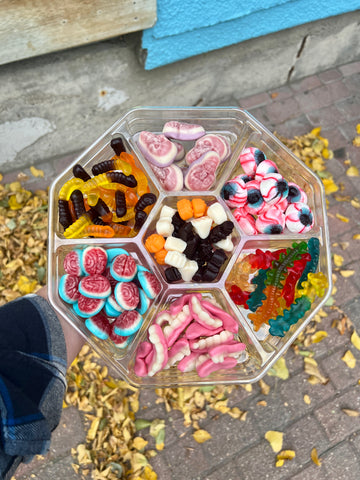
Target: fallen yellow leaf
{"points": [[355, 340], [315, 131], [342, 218], [356, 236], [139, 443], [307, 399], [201, 436], [330, 186], [349, 359], [358, 128], [347, 273], [315, 458], [352, 171], [350, 413], [279, 369], [355, 203], [279, 463], [275, 439], [338, 260], [318, 336], [286, 455], [356, 142], [36, 172]]}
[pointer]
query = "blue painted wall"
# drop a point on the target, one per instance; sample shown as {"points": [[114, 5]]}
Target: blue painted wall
{"points": [[185, 28]]}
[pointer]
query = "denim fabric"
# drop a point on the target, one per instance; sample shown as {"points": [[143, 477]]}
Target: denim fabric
{"points": [[32, 380]]}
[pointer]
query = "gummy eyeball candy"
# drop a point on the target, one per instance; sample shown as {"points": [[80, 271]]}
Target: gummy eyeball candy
{"points": [[265, 167], [299, 218], [274, 188], [234, 192], [245, 221], [250, 158], [255, 201], [271, 221], [296, 194]]}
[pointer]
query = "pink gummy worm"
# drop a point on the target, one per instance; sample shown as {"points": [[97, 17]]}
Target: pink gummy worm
{"points": [[228, 321], [163, 317], [196, 330], [179, 303], [226, 349], [177, 331], [197, 316], [209, 366], [143, 349], [188, 363], [179, 345], [140, 367], [160, 357]]}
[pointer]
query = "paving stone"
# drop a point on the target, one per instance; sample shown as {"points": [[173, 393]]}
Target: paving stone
{"points": [[260, 114], [239, 395], [351, 309], [323, 96], [57, 470], [326, 117], [336, 138], [350, 108], [350, 68], [254, 101], [339, 426], [276, 414], [303, 436], [354, 440], [281, 93], [330, 75], [186, 460], [349, 130], [147, 398], [296, 126], [349, 254], [259, 463], [306, 84], [229, 436], [312, 472], [341, 463], [353, 82], [294, 389], [282, 110], [228, 471], [340, 374], [348, 288], [294, 362]]}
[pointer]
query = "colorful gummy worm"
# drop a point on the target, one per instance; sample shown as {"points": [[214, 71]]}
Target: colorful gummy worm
{"points": [[283, 287], [114, 202]]}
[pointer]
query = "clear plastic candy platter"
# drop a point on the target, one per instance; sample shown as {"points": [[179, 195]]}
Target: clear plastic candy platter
{"points": [[189, 246]]}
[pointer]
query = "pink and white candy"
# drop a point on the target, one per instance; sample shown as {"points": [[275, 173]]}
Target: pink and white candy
{"points": [[271, 221], [250, 158], [245, 221], [234, 192], [274, 188], [183, 131], [157, 148], [299, 218]]}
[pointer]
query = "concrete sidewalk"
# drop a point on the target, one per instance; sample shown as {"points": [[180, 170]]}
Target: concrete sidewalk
{"points": [[238, 450]]}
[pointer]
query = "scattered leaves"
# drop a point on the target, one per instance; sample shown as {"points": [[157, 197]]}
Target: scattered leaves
{"points": [[318, 336], [307, 399], [312, 369], [338, 260], [275, 439], [349, 359], [315, 458]]}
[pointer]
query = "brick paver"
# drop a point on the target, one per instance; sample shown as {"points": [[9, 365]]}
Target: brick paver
{"points": [[238, 450]]}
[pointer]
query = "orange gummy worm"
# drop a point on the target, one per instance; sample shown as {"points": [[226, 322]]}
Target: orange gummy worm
{"points": [[120, 230], [268, 309], [99, 231]]}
